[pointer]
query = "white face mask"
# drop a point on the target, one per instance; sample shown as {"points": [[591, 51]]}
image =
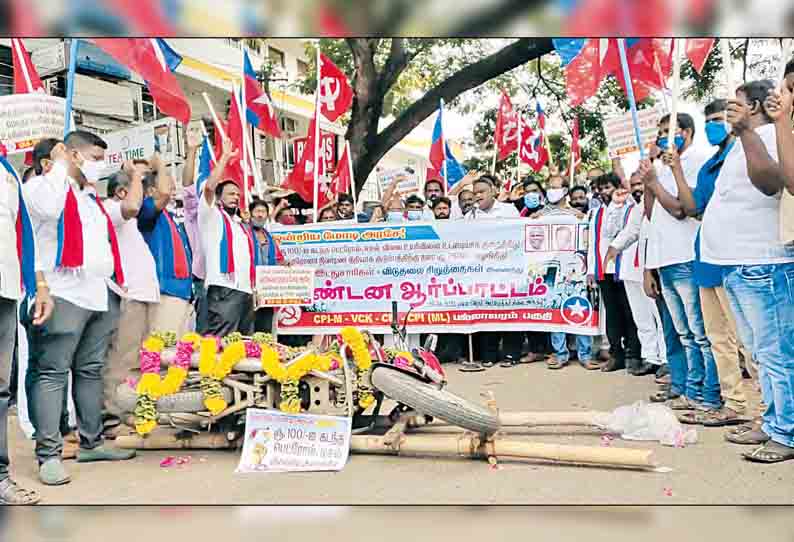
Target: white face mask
{"points": [[555, 195], [92, 170]]}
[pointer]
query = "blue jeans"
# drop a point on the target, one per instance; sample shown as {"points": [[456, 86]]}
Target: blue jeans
{"points": [[762, 299], [584, 347], [676, 360], [682, 297]]}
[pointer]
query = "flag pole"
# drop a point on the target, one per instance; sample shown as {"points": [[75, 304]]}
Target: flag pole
{"points": [[70, 87], [493, 162], [209, 146], [249, 143], [316, 135], [244, 156], [443, 146], [630, 91], [214, 115], [572, 163], [350, 171], [786, 52], [727, 67], [673, 124], [16, 45], [518, 150]]}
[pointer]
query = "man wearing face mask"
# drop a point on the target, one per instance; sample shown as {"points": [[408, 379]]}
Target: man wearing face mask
{"points": [[433, 190], [671, 240], [78, 251], [267, 253], [414, 208], [534, 198], [231, 270], [718, 317]]}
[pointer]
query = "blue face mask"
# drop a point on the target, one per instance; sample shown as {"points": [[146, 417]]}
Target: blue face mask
{"points": [[716, 131], [414, 215], [394, 216], [678, 142], [532, 200]]}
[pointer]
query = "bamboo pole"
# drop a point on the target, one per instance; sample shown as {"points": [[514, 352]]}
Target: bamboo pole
{"points": [[470, 446], [166, 439]]}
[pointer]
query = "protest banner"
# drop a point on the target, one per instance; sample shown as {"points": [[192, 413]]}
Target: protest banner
{"points": [[506, 275], [135, 143], [278, 286], [407, 180], [279, 442], [327, 149], [27, 118], [620, 135]]}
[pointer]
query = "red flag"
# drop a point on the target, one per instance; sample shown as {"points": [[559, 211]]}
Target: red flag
{"points": [[336, 95], [261, 113], [575, 150], [697, 51], [234, 169], [152, 61], [343, 182], [533, 152], [301, 178], [619, 18], [26, 79], [505, 135], [649, 60], [24, 19], [331, 23]]}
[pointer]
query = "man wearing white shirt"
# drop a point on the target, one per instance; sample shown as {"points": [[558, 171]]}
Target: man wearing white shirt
{"points": [[671, 242], [86, 313], [227, 249], [741, 230], [486, 207], [125, 191], [12, 269]]}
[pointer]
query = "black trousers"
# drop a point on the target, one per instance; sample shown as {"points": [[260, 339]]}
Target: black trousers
{"points": [[621, 329], [263, 320], [228, 311], [511, 345]]}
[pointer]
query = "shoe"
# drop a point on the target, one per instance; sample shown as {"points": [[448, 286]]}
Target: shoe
{"points": [[103, 453], [532, 357], [662, 370], [12, 494], [613, 365], [52, 473], [643, 369]]}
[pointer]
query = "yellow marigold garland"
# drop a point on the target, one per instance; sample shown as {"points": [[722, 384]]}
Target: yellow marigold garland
{"points": [[148, 387], [289, 377], [211, 388], [363, 360], [177, 371]]}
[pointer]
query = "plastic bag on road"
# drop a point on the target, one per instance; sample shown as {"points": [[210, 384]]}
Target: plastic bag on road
{"points": [[647, 421]]}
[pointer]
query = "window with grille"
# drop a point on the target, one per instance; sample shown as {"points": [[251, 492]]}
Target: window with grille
{"points": [[6, 72], [276, 56]]}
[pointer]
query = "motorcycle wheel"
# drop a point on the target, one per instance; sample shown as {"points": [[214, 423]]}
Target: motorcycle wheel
{"points": [[441, 404], [185, 401]]}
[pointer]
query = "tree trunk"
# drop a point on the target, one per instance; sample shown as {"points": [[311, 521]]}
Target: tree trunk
{"points": [[368, 146]]}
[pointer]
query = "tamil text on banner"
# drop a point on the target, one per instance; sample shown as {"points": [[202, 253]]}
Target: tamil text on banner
{"points": [[279, 442], [619, 131], [27, 118], [458, 277], [278, 285], [132, 144]]}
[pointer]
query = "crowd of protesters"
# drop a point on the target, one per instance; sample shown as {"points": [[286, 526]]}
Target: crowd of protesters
{"points": [[702, 301]]}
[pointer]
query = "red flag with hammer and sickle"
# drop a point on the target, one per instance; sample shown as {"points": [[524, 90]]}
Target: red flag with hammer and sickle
{"points": [[336, 95], [506, 134]]}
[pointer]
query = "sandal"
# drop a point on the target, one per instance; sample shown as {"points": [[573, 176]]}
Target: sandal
{"points": [[770, 452], [663, 396], [591, 365], [723, 417], [12, 494], [471, 367], [487, 364], [554, 363], [693, 418], [681, 403], [747, 434]]}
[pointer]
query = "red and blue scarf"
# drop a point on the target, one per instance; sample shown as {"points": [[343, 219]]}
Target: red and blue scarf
{"points": [[118, 272], [227, 263], [70, 234], [181, 265], [26, 249]]}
